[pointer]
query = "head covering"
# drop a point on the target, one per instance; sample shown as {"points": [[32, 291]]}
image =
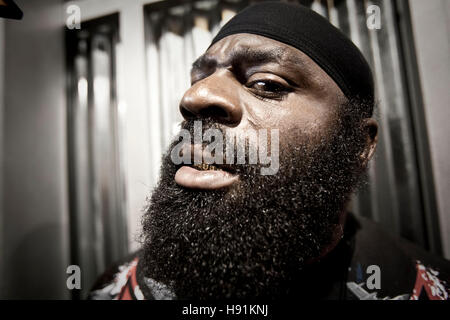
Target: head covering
{"points": [[302, 28]]}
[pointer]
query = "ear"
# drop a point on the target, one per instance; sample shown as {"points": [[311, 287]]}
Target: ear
{"points": [[370, 127]]}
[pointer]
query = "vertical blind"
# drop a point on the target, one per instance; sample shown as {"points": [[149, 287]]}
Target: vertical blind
{"points": [[177, 32], [97, 201]]}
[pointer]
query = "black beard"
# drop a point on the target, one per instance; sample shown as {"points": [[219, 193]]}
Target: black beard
{"points": [[253, 240]]}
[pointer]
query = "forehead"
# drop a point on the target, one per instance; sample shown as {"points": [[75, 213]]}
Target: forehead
{"points": [[250, 43], [251, 48]]}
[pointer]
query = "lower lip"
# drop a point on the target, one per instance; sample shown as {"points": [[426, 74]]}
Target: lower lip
{"points": [[189, 177]]}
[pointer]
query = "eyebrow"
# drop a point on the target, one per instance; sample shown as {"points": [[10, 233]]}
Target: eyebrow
{"points": [[246, 56]]}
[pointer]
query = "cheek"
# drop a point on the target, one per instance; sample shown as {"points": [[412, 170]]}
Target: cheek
{"points": [[262, 115], [293, 117], [306, 118]]}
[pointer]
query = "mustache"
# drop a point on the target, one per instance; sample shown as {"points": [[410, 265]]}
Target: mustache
{"points": [[197, 157], [207, 123]]}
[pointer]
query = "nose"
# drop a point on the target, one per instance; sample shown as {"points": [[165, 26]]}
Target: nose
{"points": [[215, 97]]}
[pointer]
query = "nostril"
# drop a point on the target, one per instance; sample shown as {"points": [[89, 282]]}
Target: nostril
{"points": [[215, 112], [187, 114]]}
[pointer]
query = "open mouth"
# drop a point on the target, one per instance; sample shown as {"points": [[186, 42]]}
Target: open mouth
{"points": [[204, 177], [205, 167], [215, 167]]}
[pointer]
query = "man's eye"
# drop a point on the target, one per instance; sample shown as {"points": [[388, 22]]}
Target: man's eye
{"points": [[267, 88]]}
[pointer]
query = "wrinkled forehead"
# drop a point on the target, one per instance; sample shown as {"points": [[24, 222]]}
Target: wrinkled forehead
{"points": [[251, 49], [246, 42]]}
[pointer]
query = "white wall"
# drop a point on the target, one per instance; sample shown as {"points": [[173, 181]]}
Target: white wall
{"points": [[431, 24], [35, 209]]}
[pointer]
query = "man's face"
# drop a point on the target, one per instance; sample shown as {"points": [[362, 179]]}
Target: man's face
{"points": [[248, 82], [233, 232]]}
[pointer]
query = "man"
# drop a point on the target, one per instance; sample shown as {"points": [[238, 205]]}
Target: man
{"points": [[225, 226]]}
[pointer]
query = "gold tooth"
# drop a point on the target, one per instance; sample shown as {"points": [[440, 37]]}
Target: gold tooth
{"points": [[205, 167]]}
